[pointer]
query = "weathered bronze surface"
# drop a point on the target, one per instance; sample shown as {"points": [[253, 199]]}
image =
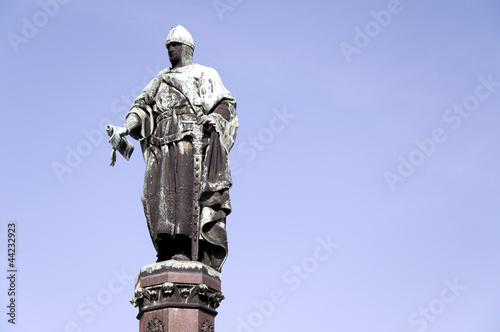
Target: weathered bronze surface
{"points": [[186, 122]]}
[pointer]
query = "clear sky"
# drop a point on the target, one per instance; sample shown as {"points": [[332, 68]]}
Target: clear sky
{"points": [[366, 168]]}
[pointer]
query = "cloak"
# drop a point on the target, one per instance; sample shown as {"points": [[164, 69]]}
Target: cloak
{"points": [[168, 108]]}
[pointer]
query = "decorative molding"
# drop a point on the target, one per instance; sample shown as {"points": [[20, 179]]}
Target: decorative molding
{"points": [[177, 295], [206, 326], [155, 325]]}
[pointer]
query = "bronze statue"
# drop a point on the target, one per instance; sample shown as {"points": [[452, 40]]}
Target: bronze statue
{"points": [[186, 122]]}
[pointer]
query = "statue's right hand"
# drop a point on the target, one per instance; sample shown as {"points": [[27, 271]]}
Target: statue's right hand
{"points": [[122, 131], [115, 134]]}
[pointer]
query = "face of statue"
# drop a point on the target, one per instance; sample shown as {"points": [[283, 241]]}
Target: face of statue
{"points": [[174, 52]]}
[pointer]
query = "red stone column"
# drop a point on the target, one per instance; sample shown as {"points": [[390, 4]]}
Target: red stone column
{"points": [[177, 296]]}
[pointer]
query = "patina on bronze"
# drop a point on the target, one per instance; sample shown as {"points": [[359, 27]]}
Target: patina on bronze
{"points": [[186, 122]]}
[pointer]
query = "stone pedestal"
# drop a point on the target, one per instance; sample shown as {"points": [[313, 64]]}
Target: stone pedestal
{"points": [[177, 296]]}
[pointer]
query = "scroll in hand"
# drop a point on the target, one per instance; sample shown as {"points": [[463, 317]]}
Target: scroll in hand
{"points": [[118, 143]]}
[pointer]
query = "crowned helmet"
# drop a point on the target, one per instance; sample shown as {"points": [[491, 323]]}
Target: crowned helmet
{"points": [[179, 34]]}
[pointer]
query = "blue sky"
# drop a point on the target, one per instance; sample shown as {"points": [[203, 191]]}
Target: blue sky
{"points": [[365, 169]]}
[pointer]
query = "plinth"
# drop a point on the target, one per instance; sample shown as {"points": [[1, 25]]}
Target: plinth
{"points": [[177, 296]]}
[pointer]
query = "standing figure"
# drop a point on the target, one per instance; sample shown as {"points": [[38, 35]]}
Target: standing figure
{"points": [[186, 122]]}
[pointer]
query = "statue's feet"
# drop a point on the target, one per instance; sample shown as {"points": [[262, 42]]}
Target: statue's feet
{"points": [[180, 257]]}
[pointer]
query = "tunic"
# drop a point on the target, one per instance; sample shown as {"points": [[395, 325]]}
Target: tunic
{"points": [[168, 109]]}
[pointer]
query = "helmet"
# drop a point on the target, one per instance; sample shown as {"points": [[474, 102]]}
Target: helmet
{"points": [[179, 34]]}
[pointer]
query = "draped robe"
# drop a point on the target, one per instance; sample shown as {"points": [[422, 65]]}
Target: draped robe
{"points": [[168, 109]]}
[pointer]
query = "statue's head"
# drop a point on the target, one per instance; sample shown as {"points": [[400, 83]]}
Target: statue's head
{"points": [[180, 46], [180, 35]]}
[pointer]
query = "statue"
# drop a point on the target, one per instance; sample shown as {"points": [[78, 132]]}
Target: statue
{"points": [[186, 122]]}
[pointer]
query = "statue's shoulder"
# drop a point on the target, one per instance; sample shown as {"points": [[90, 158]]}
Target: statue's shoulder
{"points": [[200, 70], [163, 72]]}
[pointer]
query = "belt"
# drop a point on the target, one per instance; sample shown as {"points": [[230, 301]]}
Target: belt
{"points": [[169, 113], [159, 141]]}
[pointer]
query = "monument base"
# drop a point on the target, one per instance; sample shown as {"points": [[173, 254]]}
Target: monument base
{"points": [[177, 296]]}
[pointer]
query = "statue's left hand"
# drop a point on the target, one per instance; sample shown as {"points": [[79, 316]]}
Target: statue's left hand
{"points": [[207, 122]]}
